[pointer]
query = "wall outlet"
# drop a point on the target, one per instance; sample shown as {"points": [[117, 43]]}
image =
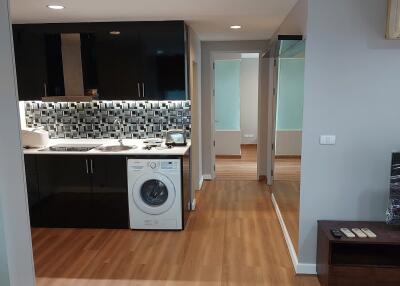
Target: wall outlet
{"points": [[327, 139]]}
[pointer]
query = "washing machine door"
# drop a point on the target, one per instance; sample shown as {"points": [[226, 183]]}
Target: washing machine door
{"points": [[154, 193]]}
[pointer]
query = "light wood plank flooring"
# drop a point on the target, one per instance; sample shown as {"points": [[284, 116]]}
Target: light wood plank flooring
{"points": [[244, 168], [287, 169], [286, 189], [233, 238]]}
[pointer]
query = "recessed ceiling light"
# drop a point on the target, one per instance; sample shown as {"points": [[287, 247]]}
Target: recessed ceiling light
{"points": [[55, 7], [236, 27], [115, 33]]}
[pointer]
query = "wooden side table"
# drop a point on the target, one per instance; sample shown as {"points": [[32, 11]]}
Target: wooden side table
{"points": [[358, 261]]}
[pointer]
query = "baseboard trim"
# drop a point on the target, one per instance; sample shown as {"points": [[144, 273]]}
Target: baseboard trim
{"points": [[306, 268], [287, 156], [207, 177], [299, 268], [193, 205], [228, 156], [200, 185], [286, 235]]}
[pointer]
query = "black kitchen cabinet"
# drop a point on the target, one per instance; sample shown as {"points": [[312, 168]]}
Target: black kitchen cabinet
{"points": [[33, 190], [72, 191], [118, 61], [142, 60], [65, 191], [30, 60], [39, 65], [89, 61], [163, 50], [110, 194], [121, 60]]}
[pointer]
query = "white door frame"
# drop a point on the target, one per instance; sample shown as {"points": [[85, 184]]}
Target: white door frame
{"points": [[260, 159]]}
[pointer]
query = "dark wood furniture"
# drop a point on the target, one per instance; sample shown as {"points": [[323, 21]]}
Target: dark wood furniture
{"points": [[358, 261], [122, 60]]}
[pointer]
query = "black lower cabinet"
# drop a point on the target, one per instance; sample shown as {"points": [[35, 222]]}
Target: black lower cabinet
{"points": [[65, 191], [65, 194], [109, 192], [33, 190]]}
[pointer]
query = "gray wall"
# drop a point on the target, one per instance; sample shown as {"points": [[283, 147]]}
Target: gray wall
{"points": [[249, 71], [16, 238], [295, 22], [207, 48], [4, 278], [351, 90]]}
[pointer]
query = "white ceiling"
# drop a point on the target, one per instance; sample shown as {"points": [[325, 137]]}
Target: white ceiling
{"points": [[209, 18]]}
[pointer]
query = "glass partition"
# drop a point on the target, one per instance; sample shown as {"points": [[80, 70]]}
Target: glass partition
{"points": [[288, 132]]}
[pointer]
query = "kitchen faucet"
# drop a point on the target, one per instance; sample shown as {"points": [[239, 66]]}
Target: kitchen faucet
{"points": [[118, 122]]}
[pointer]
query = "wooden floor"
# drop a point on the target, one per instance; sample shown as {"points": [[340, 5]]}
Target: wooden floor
{"points": [[243, 169], [286, 186], [287, 169], [286, 189], [233, 238]]}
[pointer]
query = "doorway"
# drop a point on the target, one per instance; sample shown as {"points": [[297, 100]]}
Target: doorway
{"points": [[287, 133], [236, 77]]}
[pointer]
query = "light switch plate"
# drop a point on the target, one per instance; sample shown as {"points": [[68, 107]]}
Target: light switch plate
{"points": [[327, 140], [248, 136]]}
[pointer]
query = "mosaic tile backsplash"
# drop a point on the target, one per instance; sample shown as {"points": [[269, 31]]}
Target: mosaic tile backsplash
{"points": [[109, 119]]}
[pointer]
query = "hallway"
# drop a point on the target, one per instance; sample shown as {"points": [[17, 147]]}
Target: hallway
{"points": [[233, 238], [241, 168]]}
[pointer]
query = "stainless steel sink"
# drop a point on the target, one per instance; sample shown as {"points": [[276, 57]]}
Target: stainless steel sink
{"points": [[115, 148]]}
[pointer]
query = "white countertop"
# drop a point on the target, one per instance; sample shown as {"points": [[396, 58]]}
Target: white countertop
{"points": [[163, 151]]}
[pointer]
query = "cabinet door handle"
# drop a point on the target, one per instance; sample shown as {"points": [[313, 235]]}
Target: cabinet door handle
{"points": [[138, 88], [91, 166], [87, 167], [143, 89], [45, 89]]}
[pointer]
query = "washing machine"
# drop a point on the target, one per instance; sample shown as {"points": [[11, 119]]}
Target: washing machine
{"points": [[155, 194]]}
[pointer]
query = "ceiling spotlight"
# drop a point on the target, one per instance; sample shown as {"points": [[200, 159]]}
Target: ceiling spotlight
{"points": [[236, 27], [115, 33], [55, 7]]}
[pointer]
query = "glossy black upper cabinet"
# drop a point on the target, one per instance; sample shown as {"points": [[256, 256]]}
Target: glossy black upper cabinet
{"points": [[163, 50], [141, 60], [30, 60], [118, 61]]}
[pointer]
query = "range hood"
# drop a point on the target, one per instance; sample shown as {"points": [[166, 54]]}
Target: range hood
{"points": [[72, 70]]}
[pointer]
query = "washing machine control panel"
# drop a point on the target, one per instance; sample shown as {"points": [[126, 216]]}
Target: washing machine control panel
{"points": [[140, 165], [169, 165]]}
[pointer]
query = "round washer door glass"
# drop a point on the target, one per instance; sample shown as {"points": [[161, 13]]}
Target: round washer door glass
{"points": [[154, 193]]}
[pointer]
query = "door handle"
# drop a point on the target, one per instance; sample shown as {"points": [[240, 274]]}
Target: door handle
{"points": [[138, 88], [87, 167], [91, 166], [143, 89], [45, 89]]}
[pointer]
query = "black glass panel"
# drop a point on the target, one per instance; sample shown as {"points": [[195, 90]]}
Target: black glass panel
{"points": [[154, 193]]}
